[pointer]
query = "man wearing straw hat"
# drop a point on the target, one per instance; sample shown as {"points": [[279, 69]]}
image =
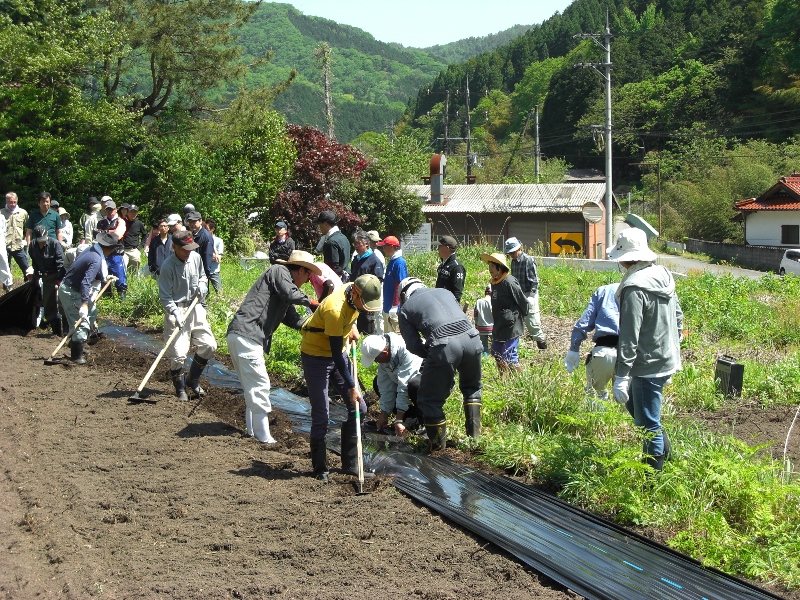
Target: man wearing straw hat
{"points": [[180, 280], [523, 268], [509, 307], [324, 360], [268, 304], [650, 323], [83, 278]]}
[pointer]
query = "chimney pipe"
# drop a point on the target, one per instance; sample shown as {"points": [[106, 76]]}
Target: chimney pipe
{"points": [[438, 165]]}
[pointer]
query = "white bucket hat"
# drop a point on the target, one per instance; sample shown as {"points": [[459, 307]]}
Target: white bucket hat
{"points": [[370, 348], [512, 245], [632, 247]]}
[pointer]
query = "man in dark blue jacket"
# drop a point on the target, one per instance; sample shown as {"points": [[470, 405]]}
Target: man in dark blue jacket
{"points": [[205, 242], [366, 262], [47, 258]]}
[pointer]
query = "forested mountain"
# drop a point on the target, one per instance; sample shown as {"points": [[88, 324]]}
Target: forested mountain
{"points": [[462, 50], [371, 80], [730, 66]]}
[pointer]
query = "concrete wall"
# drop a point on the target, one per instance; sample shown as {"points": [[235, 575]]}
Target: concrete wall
{"points": [[763, 228], [761, 258]]}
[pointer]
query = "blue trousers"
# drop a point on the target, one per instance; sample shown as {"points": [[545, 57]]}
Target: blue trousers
{"points": [[646, 397], [319, 371], [116, 266]]}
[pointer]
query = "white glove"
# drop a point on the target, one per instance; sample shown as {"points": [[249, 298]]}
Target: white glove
{"points": [[572, 360], [83, 311], [179, 319], [112, 278], [393, 310], [621, 389], [202, 291]]}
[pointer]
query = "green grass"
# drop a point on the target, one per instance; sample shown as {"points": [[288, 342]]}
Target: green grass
{"points": [[718, 500]]}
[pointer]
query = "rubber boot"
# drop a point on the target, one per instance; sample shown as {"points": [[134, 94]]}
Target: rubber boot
{"points": [[180, 384], [193, 379], [123, 292], [349, 448], [657, 462], [76, 352], [319, 460], [472, 415], [57, 328], [437, 435], [260, 424], [248, 420]]}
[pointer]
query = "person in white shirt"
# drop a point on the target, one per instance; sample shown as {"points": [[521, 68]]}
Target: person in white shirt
{"points": [[66, 227]]}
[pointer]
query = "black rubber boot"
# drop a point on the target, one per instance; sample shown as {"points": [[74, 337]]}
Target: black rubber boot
{"points": [[193, 379], [437, 435], [657, 462], [472, 415], [123, 292], [76, 352], [180, 384], [319, 460], [57, 329], [349, 448]]}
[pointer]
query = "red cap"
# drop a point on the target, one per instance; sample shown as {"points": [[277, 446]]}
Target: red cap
{"points": [[389, 240]]}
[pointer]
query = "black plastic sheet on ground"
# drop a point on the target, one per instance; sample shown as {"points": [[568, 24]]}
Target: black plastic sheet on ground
{"points": [[19, 307], [589, 555]]}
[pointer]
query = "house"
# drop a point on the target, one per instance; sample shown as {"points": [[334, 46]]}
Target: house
{"points": [[550, 218], [773, 218]]}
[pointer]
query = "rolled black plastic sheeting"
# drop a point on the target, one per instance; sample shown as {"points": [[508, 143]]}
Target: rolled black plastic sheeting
{"points": [[585, 553], [19, 308]]}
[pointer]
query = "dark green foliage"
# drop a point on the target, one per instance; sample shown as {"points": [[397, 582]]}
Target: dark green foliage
{"points": [[463, 50]]}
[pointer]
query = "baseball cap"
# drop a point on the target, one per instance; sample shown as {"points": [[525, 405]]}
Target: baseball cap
{"points": [[107, 238], [54, 204], [193, 215], [125, 205], [110, 204], [188, 208], [327, 216], [184, 239], [370, 348], [374, 236], [389, 240], [370, 288], [133, 208], [92, 201], [40, 231], [512, 245], [104, 199], [280, 225], [447, 240], [173, 219]]}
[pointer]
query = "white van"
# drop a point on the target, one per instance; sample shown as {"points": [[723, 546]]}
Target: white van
{"points": [[790, 263]]}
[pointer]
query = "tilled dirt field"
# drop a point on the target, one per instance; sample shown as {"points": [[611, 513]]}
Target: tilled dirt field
{"points": [[103, 498]]}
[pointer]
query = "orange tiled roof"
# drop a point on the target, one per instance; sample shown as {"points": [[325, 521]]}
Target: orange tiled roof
{"points": [[784, 195]]}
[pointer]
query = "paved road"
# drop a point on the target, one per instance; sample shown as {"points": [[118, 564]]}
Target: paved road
{"points": [[680, 264]]}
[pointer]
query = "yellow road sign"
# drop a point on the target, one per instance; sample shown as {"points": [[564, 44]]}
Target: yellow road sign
{"points": [[569, 242]]}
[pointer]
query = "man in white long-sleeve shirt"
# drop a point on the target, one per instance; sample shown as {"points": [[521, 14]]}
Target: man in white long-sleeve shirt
{"points": [[181, 279]]}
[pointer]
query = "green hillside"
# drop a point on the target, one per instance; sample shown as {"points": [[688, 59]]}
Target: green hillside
{"points": [[463, 50], [372, 80]]}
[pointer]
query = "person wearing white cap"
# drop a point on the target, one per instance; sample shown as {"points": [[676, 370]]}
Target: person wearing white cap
{"points": [[374, 238], [650, 323], [175, 223], [89, 219], [523, 268], [397, 381], [269, 303], [450, 344], [66, 227], [113, 223]]}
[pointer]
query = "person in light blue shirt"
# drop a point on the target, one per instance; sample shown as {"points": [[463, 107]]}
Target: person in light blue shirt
{"points": [[602, 317]]}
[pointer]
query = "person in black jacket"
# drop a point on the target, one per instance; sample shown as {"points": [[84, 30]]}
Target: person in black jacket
{"points": [[47, 258], [366, 262], [509, 306], [451, 344], [267, 305], [133, 240], [204, 242], [282, 246], [160, 248], [333, 245], [451, 274]]}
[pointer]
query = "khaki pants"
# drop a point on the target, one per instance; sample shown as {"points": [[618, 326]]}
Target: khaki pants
{"points": [[133, 260], [391, 323], [533, 322], [195, 331]]}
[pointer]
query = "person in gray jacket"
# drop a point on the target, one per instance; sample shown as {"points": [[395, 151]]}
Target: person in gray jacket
{"points": [[397, 382], [451, 344], [650, 322], [181, 279], [267, 305]]}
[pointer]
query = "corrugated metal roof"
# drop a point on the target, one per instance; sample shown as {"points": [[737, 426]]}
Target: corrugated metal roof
{"points": [[512, 198]]}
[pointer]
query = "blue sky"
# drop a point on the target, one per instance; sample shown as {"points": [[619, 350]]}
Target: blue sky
{"points": [[422, 23]]}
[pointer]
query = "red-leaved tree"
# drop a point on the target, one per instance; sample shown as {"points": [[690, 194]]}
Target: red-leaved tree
{"points": [[321, 164]]}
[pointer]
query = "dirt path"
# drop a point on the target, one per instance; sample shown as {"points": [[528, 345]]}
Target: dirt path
{"points": [[102, 498]]}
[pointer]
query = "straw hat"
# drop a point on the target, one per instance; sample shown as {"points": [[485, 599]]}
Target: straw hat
{"points": [[495, 257], [303, 259]]}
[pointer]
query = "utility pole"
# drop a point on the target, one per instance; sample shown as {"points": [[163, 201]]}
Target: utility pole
{"points": [[537, 150], [469, 135], [606, 75], [516, 146]]}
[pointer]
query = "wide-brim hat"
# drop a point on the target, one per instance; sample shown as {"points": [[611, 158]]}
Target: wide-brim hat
{"points": [[107, 238], [632, 246], [62, 211], [303, 259], [495, 257]]}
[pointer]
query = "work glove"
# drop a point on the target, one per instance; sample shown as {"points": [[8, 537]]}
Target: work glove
{"points": [[393, 310], [201, 292], [572, 360], [83, 311], [180, 320], [28, 273], [622, 387], [112, 278]]}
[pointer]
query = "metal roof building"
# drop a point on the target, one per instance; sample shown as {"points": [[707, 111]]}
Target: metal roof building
{"points": [[546, 217]]}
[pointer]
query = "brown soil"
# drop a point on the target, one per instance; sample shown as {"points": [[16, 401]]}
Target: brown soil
{"points": [[103, 498]]}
